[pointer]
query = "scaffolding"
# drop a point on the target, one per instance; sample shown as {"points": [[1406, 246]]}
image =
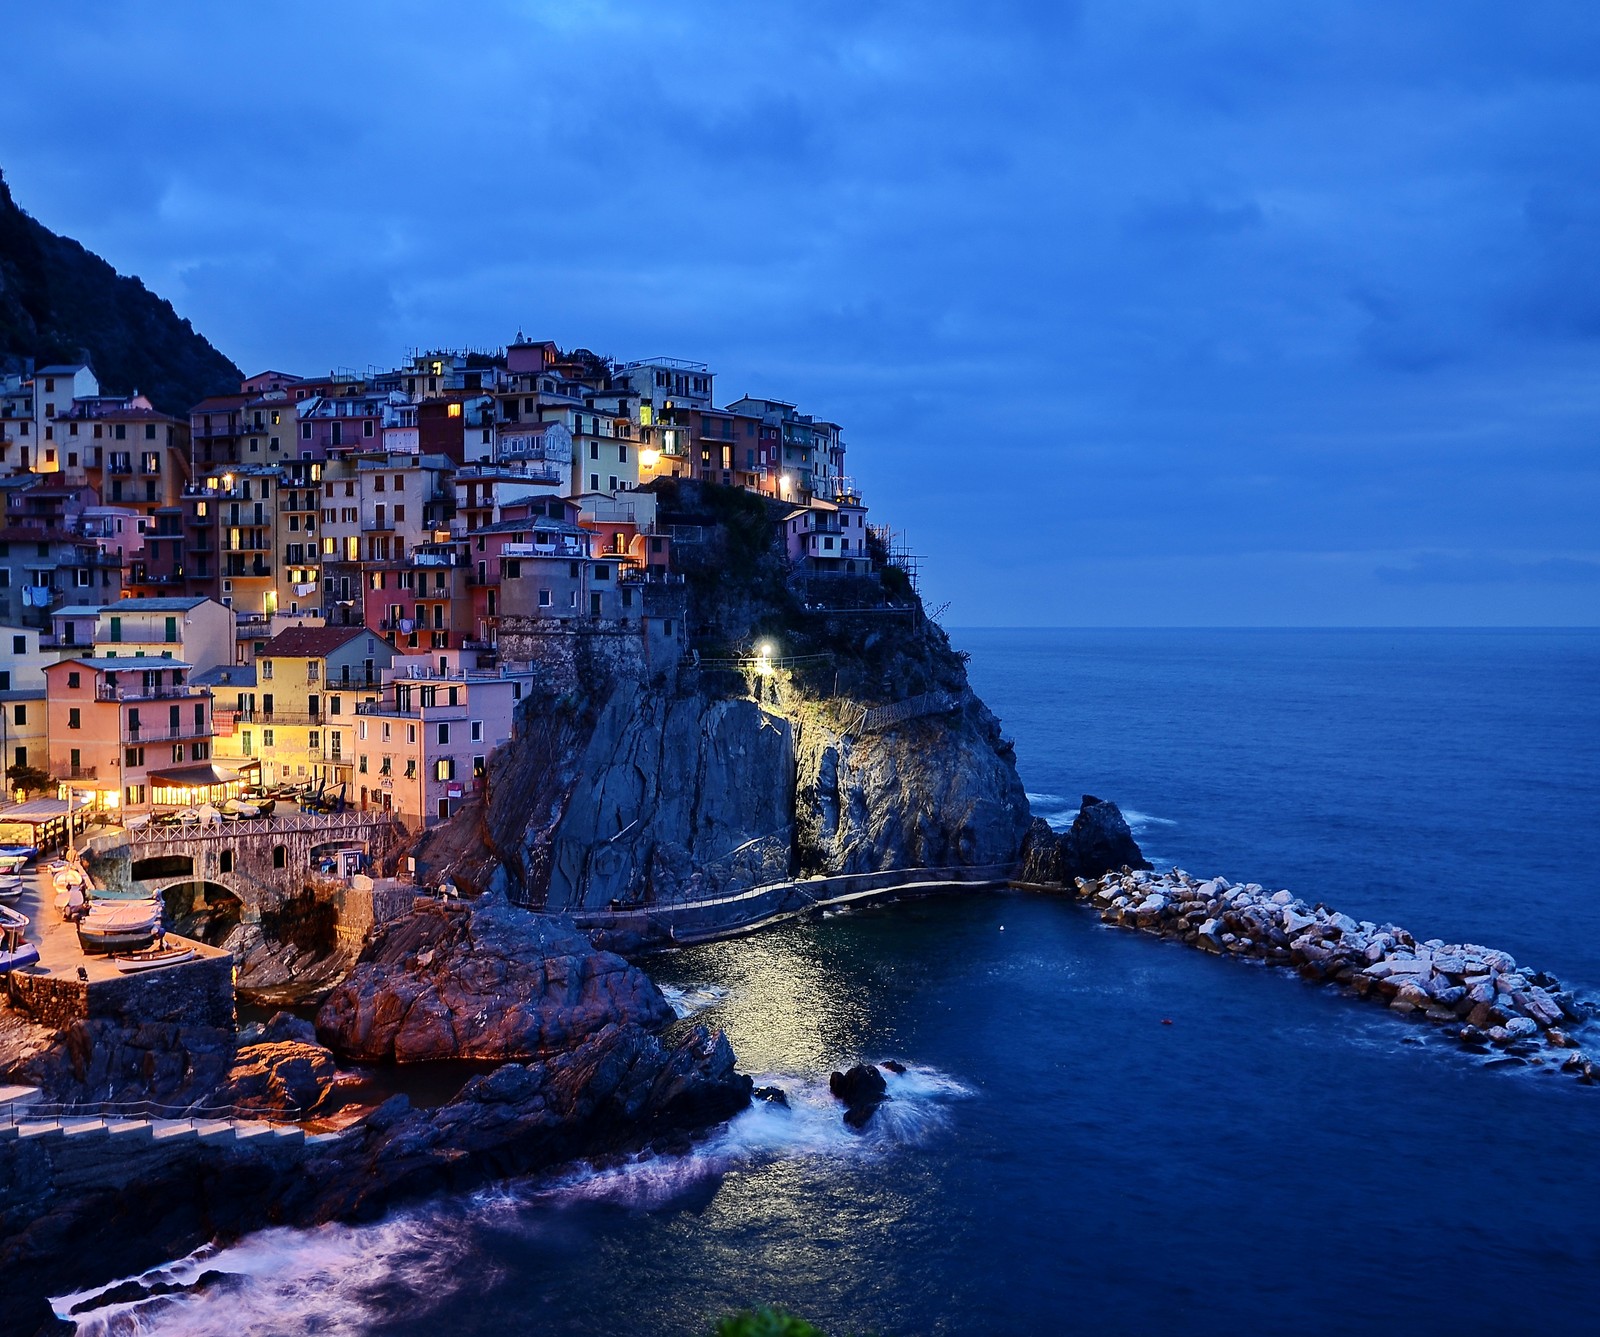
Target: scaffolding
{"points": [[897, 552]]}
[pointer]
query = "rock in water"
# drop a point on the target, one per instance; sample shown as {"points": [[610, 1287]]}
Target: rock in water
{"points": [[862, 1089], [483, 981], [1099, 840]]}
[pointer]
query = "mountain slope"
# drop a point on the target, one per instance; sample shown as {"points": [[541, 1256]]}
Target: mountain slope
{"points": [[62, 303]]}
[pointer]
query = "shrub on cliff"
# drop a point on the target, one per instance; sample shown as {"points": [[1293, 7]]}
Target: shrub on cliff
{"points": [[766, 1322]]}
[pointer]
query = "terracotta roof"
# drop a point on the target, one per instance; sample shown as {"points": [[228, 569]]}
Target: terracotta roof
{"points": [[309, 642]]}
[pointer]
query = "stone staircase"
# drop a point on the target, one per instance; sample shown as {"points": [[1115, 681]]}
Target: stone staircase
{"points": [[24, 1118]]}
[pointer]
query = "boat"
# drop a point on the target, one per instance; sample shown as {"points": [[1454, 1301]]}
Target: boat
{"points": [[119, 926], [14, 952], [152, 959], [10, 888]]}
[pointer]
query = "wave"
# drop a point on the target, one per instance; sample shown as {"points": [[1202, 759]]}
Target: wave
{"points": [[341, 1281], [336, 1281], [687, 999], [811, 1125]]}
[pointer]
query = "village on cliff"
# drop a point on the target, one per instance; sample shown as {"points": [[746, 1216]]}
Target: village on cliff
{"points": [[341, 586]]}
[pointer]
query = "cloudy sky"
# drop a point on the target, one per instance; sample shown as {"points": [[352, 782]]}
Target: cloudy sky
{"points": [[1135, 311]]}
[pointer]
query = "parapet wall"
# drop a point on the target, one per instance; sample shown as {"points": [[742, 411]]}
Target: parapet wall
{"points": [[581, 652]]}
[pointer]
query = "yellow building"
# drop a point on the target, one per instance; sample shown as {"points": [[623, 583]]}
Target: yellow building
{"points": [[298, 719]]}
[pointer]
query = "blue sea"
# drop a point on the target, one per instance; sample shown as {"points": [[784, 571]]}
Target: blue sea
{"points": [[1099, 1132]]}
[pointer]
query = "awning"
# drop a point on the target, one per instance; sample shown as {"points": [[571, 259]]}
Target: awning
{"points": [[202, 773], [36, 812]]}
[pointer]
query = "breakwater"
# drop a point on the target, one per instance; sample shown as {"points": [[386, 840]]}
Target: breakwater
{"points": [[1478, 994]]}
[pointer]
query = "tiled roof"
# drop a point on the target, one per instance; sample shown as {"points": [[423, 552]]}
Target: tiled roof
{"points": [[309, 642]]}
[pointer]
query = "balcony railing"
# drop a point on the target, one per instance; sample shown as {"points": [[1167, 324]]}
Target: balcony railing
{"points": [[82, 772], [164, 733], [141, 693]]}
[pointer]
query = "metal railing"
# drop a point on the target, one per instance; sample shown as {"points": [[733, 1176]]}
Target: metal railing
{"points": [[36, 1111]]}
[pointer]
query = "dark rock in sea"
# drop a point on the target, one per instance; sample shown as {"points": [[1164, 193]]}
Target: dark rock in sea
{"points": [[484, 981], [1098, 841], [896, 1067], [132, 1292], [773, 1095], [862, 1089]]}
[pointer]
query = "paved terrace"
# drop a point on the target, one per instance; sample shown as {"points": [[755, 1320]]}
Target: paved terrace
{"points": [[59, 952]]}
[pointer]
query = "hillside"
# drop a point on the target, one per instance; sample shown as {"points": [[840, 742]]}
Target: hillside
{"points": [[62, 303]]}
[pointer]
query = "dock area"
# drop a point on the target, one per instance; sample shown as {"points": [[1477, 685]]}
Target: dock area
{"points": [[68, 984]]}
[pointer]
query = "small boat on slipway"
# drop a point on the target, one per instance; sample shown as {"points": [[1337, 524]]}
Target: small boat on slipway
{"points": [[153, 959], [119, 926], [14, 952]]}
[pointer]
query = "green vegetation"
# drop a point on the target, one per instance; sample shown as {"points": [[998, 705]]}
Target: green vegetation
{"points": [[62, 303], [766, 1322], [30, 779]]}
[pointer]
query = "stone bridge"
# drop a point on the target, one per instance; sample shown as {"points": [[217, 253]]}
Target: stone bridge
{"points": [[261, 862]]}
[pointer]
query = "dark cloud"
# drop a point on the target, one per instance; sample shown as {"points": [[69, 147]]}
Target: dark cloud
{"points": [[1233, 302]]}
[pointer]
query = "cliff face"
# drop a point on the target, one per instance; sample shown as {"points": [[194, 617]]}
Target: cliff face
{"points": [[62, 303], [675, 797], [688, 796]]}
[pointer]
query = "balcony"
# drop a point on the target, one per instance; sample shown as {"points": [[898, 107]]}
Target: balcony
{"points": [[81, 772], [375, 526], [138, 692], [164, 733]]}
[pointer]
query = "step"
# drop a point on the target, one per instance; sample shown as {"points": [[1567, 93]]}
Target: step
{"points": [[163, 1129], [249, 1132], [213, 1130], [128, 1131], [20, 1096], [32, 1128], [82, 1127], [289, 1133]]}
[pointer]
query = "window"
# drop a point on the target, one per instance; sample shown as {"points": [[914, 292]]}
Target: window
{"points": [[314, 739], [444, 732], [266, 670], [73, 679], [19, 712], [74, 719], [134, 756], [361, 763], [544, 598], [477, 731], [225, 861], [594, 450], [19, 645], [280, 856], [268, 737], [444, 769]]}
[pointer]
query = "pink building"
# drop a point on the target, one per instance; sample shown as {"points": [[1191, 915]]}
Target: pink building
{"points": [[423, 748], [121, 728]]}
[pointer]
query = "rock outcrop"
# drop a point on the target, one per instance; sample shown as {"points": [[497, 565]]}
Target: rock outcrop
{"points": [[1098, 841], [280, 1070], [483, 980]]}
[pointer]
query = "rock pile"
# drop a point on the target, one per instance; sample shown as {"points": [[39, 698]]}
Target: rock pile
{"points": [[1478, 993]]}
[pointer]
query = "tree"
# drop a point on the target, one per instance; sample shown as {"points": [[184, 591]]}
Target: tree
{"points": [[30, 779]]}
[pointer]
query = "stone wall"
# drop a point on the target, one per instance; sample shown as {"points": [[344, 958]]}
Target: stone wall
{"points": [[567, 656], [197, 993]]}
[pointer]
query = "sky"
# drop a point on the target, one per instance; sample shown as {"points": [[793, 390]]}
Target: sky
{"points": [[1135, 312]]}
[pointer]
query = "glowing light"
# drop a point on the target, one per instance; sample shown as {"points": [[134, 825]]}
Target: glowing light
{"points": [[454, 411], [649, 458]]}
